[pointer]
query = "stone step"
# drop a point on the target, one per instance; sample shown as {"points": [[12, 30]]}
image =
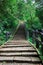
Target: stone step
{"points": [[20, 59], [17, 41], [27, 59], [20, 44], [17, 49], [9, 46], [18, 54], [10, 63]]}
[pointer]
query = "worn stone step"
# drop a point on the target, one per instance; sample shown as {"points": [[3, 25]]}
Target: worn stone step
{"points": [[28, 59], [17, 41], [20, 59], [18, 54], [8, 46], [9, 63], [18, 49], [18, 44], [3, 59]]}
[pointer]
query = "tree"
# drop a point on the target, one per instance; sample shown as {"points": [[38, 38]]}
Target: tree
{"points": [[39, 9], [30, 15]]}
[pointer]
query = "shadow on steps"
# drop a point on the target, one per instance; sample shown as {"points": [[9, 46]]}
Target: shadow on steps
{"points": [[20, 33]]}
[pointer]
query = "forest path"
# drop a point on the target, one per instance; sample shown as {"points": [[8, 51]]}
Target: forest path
{"points": [[18, 51]]}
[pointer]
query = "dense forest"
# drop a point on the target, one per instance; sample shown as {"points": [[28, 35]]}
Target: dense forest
{"points": [[13, 11]]}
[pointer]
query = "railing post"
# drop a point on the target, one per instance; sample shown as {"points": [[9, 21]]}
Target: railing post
{"points": [[36, 33], [42, 30], [42, 42], [27, 34], [37, 41], [7, 35], [33, 36]]}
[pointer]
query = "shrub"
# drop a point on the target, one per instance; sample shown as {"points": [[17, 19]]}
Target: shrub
{"points": [[36, 23]]}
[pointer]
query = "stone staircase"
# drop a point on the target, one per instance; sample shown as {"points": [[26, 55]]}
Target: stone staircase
{"points": [[18, 51]]}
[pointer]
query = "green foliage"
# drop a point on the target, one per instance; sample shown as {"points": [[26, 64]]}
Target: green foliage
{"points": [[12, 10], [39, 10], [8, 21], [36, 23], [30, 16], [40, 15]]}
